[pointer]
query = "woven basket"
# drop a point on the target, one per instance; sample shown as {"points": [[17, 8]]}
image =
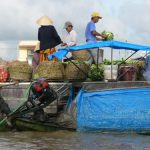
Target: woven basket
{"points": [[81, 55], [20, 71], [52, 70], [20, 76], [35, 75], [73, 73], [3, 64]]}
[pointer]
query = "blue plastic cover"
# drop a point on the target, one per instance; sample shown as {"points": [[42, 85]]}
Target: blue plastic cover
{"points": [[114, 110], [113, 44]]}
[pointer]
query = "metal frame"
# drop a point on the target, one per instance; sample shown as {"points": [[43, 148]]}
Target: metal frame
{"points": [[126, 60], [118, 77]]}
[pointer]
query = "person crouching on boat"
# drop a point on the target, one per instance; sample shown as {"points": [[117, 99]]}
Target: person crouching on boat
{"points": [[69, 38], [48, 38], [92, 36]]}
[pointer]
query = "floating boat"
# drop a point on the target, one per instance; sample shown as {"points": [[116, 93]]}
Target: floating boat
{"points": [[24, 107], [97, 106]]}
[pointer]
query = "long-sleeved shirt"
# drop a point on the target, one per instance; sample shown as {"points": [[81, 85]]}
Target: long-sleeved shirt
{"points": [[70, 38]]}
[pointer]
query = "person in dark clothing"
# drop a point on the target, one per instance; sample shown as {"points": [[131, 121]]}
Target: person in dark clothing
{"points": [[48, 38]]}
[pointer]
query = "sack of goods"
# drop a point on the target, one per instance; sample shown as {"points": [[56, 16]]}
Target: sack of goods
{"points": [[52, 70], [4, 75], [20, 71], [76, 70], [108, 35]]}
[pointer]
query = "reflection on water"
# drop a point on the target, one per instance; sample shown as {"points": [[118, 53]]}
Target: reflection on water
{"points": [[66, 140]]}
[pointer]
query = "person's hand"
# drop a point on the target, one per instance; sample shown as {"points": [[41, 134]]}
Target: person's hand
{"points": [[104, 37], [99, 39], [63, 44]]}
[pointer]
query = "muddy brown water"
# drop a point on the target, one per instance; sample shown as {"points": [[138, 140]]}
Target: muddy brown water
{"points": [[67, 140]]}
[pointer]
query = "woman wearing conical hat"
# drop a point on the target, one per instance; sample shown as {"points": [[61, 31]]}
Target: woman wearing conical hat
{"points": [[48, 37]]}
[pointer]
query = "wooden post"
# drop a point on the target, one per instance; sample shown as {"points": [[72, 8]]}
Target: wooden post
{"points": [[111, 62], [97, 63]]}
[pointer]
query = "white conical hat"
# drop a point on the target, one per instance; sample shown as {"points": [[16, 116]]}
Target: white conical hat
{"points": [[44, 21]]}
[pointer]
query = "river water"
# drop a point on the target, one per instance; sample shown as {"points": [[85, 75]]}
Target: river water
{"points": [[67, 140]]}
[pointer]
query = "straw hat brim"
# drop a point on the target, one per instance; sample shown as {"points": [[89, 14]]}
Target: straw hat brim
{"points": [[44, 21]]}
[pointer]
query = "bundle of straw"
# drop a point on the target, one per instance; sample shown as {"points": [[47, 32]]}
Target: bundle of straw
{"points": [[20, 71], [53, 70], [81, 55], [3, 64], [76, 71]]}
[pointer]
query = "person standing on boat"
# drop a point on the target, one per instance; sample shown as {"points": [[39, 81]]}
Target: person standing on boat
{"points": [[92, 36], [69, 38], [48, 38]]}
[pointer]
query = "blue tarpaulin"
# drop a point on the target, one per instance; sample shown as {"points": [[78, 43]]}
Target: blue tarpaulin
{"points": [[114, 110], [112, 44]]}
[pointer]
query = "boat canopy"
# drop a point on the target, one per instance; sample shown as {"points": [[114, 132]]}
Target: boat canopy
{"points": [[112, 44]]}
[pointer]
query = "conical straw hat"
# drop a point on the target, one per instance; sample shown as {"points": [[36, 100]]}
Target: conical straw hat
{"points": [[44, 21]]}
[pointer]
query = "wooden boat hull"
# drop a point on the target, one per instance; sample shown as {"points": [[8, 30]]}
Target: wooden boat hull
{"points": [[26, 124], [30, 125]]}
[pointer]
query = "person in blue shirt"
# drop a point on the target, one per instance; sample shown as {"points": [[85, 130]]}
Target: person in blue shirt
{"points": [[93, 36]]}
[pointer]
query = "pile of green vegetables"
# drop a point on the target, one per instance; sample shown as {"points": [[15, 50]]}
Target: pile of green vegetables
{"points": [[96, 74], [114, 62]]}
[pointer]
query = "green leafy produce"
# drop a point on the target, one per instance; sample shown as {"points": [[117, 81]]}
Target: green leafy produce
{"points": [[77, 61], [106, 62], [131, 62], [114, 62], [96, 75]]}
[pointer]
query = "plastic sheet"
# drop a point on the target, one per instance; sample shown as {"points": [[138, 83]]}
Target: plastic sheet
{"points": [[114, 110]]}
